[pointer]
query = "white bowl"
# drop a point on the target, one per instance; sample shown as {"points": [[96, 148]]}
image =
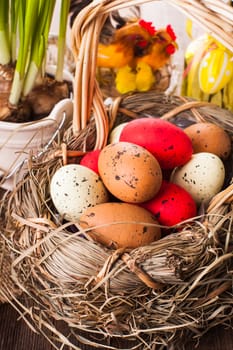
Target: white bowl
{"points": [[17, 140]]}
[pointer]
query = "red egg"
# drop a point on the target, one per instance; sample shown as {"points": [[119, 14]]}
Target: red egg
{"points": [[167, 142], [90, 160], [171, 205]]}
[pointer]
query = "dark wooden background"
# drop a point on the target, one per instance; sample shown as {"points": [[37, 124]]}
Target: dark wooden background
{"points": [[16, 335]]}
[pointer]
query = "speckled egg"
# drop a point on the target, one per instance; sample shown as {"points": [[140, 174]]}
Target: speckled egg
{"points": [[130, 172], [209, 137], [74, 188], [203, 176]]}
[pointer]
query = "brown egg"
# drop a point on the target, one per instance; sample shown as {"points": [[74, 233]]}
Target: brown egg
{"points": [[130, 172], [211, 138], [119, 225]]}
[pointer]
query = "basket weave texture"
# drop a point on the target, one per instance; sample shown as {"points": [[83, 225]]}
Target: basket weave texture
{"points": [[154, 295]]}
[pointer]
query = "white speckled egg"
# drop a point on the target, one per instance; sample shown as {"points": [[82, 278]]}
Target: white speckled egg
{"points": [[74, 188], [115, 133], [202, 176]]}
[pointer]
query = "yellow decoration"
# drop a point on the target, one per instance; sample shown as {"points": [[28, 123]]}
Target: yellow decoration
{"points": [[215, 71], [205, 57], [139, 79], [145, 77], [125, 80], [189, 28]]}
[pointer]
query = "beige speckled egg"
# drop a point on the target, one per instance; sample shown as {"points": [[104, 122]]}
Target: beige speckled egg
{"points": [[203, 176], [209, 137], [74, 188], [130, 172]]}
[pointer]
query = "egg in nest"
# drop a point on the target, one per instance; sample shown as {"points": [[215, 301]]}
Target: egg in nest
{"points": [[130, 172], [209, 137], [203, 176], [74, 188], [117, 225]]}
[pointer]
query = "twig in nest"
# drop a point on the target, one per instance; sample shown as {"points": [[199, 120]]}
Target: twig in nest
{"points": [[143, 276], [215, 293]]}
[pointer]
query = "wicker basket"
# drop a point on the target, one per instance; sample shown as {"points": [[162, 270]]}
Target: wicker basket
{"points": [[151, 296]]}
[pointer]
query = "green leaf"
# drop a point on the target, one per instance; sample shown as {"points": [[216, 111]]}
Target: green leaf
{"points": [[5, 56], [65, 5]]}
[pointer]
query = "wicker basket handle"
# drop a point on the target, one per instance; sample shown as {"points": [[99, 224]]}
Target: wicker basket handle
{"points": [[84, 39]]}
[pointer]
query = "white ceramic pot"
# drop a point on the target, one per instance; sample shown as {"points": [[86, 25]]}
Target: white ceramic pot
{"points": [[17, 140]]}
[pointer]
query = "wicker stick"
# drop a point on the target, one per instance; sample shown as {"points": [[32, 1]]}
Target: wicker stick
{"points": [[225, 196], [84, 45], [186, 106], [199, 11], [102, 125], [195, 112], [221, 9], [222, 288]]}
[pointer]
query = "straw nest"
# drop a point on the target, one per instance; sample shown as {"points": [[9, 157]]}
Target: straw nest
{"points": [[151, 295]]}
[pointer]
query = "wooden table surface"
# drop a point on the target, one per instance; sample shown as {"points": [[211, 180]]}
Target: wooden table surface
{"points": [[16, 335]]}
